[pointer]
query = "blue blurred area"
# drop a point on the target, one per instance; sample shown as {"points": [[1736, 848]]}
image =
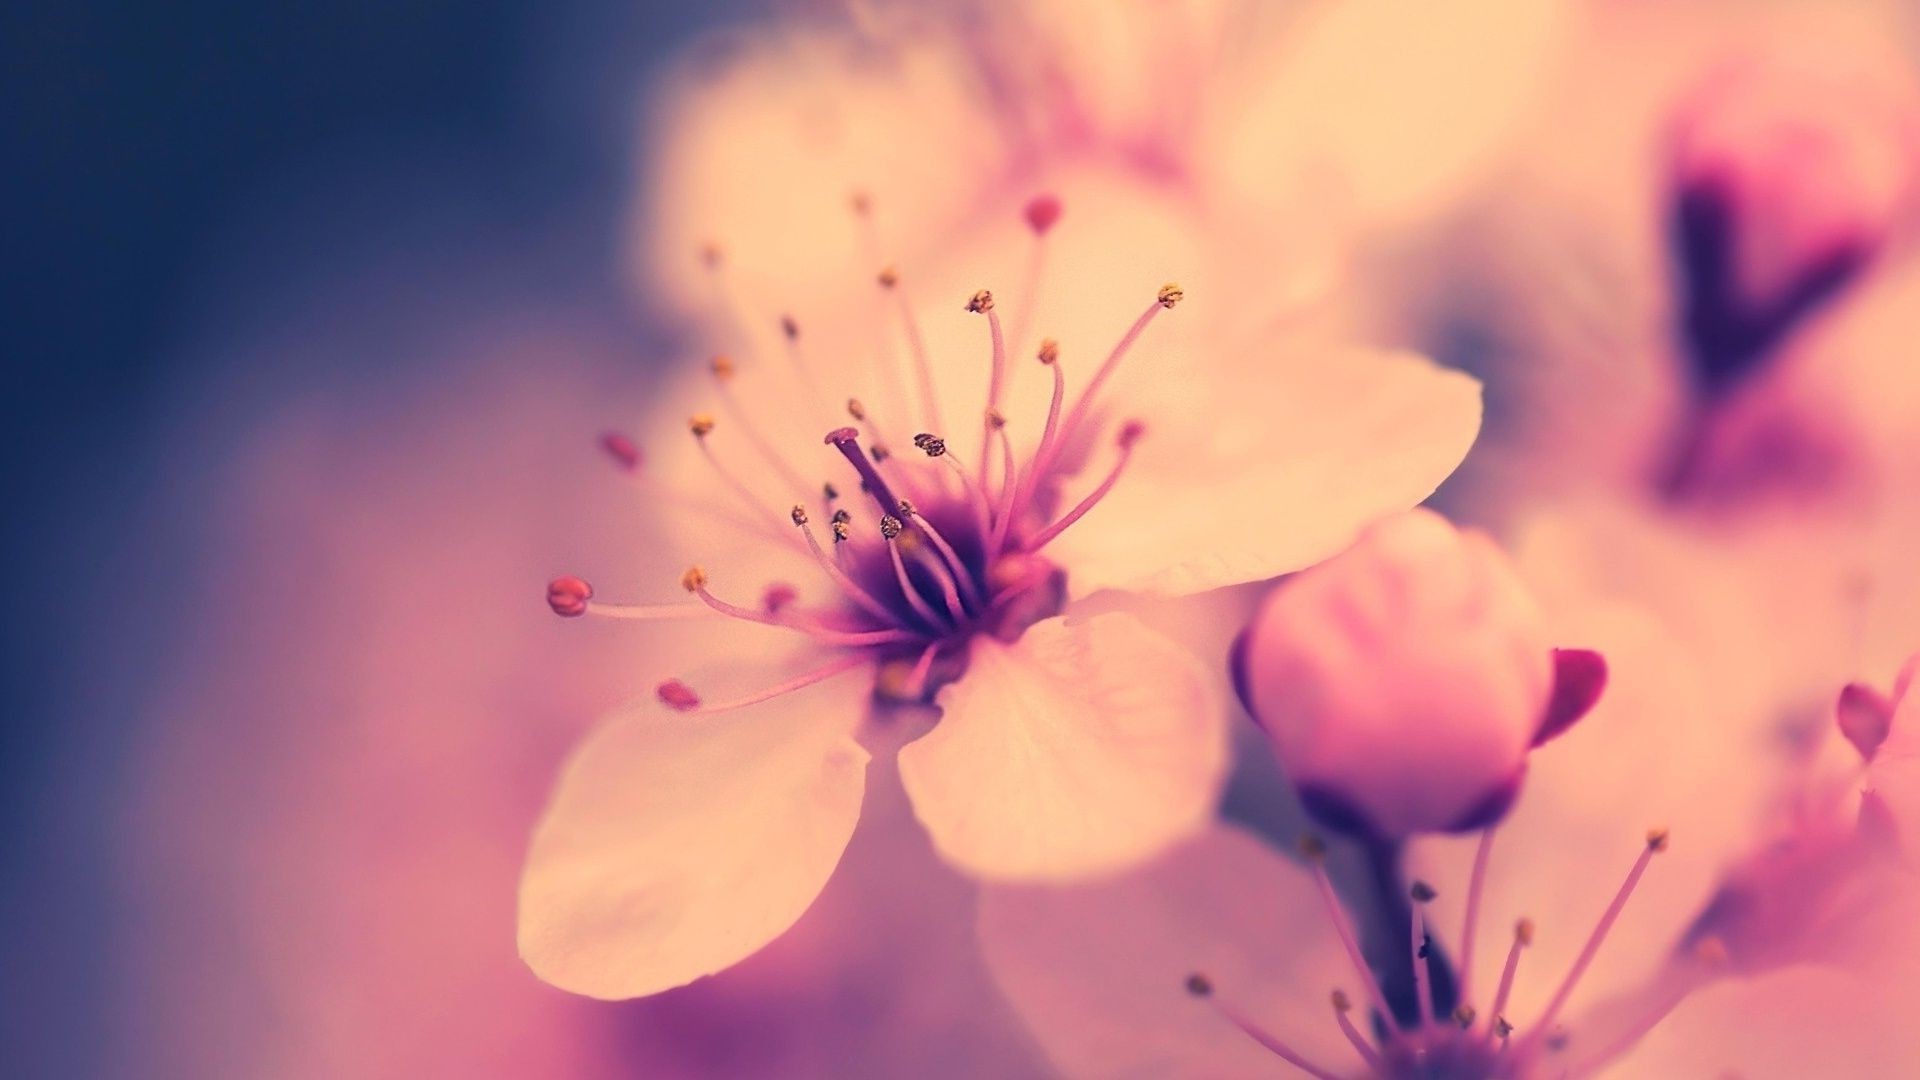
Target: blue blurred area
{"points": [[154, 156]]}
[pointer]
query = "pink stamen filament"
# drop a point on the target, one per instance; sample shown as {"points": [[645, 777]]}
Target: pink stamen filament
{"points": [[1030, 294], [1475, 885], [918, 602], [748, 502], [848, 444], [847, 585], [1028, 478], [982, 513], [1009, 474], [1366, 1050], [1273, 1045], [1084, 403], [1047, 534], [956, 611], [917, 678], [825, 635], [1422, 976], [1505, 990], [951, 556], [1590, 950], [994, 382], [758, 441], [1338, 916], [798, 682], [923, 367], [648, 612]]}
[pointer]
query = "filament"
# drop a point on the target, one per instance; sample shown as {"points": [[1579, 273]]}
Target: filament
{"points": [[1113, 477], [1316, 857], [1475, 885], [798, 682]]}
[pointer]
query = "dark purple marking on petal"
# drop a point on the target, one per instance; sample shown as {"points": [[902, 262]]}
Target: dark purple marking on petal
{"points": [[1579, 678]]}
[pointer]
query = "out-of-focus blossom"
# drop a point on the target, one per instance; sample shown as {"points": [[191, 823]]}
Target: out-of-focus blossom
{"points": [[1885, 729], [1404, 680], [678, 844]]}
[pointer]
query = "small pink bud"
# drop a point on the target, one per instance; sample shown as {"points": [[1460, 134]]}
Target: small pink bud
{"points": [[1042, 213], [622, 450], [1404, 680], [568, 596]]}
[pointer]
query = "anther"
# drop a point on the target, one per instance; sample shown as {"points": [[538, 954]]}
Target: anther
{"points": [[1199, 985], [789, 327], [855, 409], [1312, 847], [980, 302], [1131, 432], [1422, 892], [568, 596], [1464, 1015], [722, 368], [829, 492], [1049, 352], [1170, 294], [889, 277], [839, 436], [799, 514], [906, 509], [677, 695], [996, 419], [1711, 951], [1657, 840], [840, 532], [1341, 1002], [1342, 1005], [1041, 213], [890, 526], [932, 445], [861, 202], [621, 449], [694, 579], [880, 452], [1501, 1027], [1523, 932], [841, 516], [701, 424]]}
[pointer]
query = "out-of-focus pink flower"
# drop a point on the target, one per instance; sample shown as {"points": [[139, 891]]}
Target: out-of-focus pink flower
{"points": [[1404, 680], [679, 842], [1885, 728]]}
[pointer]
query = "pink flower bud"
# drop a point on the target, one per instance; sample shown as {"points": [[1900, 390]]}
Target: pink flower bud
{"points": [[1404, 681]]}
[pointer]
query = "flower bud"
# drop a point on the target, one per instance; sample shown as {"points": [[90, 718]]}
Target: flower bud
{"points": [[1787, 180], [1404, 680]]}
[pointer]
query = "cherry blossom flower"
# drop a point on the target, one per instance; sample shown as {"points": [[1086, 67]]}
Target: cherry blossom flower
{"points": [[1404, 681]]}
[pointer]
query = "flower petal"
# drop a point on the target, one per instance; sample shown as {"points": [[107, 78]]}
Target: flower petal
{"points": [[677, 845], [1083, 747], [1241, 493], [1098, 971]]}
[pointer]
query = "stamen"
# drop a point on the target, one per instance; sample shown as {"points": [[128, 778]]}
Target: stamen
{"points": [[947, 552], [1656, 843], [833, 571], [1168, 296], [568, 596], [1041, 214], [847, 441], [916, 345], [1421, 893], [1049, 356], [982, 302], [890, 529], [1342, 1005], [796, 356], [798, 682], [956, 611], [1316, 854], [1129, 435], [936, 447], [1522, 937], [571, 597], [677, 695], [1008, 473], [695, 582], [1199, 986], [723, 372], [1475, 884]]}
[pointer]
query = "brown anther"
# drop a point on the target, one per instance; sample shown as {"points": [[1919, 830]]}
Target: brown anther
{"points": [[568, 596], [889, 277], [777, 596], [622, 450], [1341, 1002], [1557, 1041], [880, 452], [1464, 1015], [1523, 931], [932, 445], [829, 492], [1171, 294], [861, 202], [701, 424], [1657, 839], [790, 328], [711, 255], [840, 532], [841, 516], [1049, 352], [841, 435], [1711, 951], [980, 303], [1131, 432], [1312, 846], [1501, 1027], [1041, 212], [694, 579], [799, 514], [890, 527], [1199, 985], [677, 695], [722, 368], [1421, 892], [855, 409], [907, 509]]}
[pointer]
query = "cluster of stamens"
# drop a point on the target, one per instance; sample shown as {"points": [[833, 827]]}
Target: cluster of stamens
{"points": [[953, 548], [1464, 1044]]}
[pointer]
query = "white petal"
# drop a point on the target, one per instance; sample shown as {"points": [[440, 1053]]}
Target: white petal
{"points": [[1250, 489], [1083, 747], [677, 845], [1098, 971]]}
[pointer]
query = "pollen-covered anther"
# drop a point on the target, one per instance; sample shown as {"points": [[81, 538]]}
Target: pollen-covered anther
{"points": [[841, 532], [981, 302], [842, 516], [694, 579], [1422, 892], [855, 409], [890, 527], [880, 452], [996, 419], [1312, 847], [789, 328], [907, 509], [624, 452], [568, 596], [1464, 1015], [701, 424], [1523, 931], [1501, 1027], [1199, 985], [722, 367], [677, 695], [1341, 1002], [1657, 839], [931, 445], [829, 492], [889, 277], [1170, 294], [799, 514], [1049, 352]]}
